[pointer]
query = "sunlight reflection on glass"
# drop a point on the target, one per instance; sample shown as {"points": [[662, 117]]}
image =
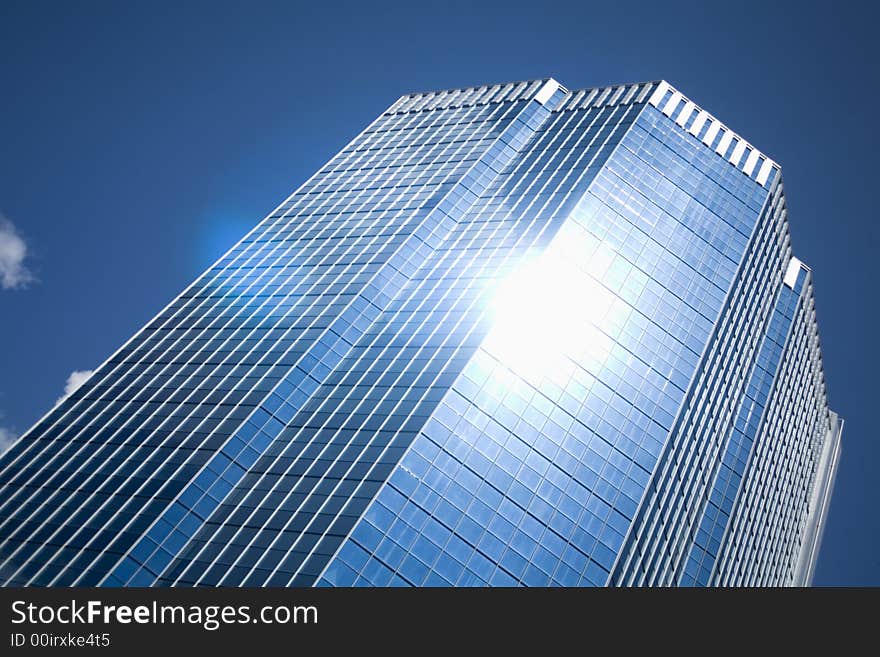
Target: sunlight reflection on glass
{"points": [[549, 311]]}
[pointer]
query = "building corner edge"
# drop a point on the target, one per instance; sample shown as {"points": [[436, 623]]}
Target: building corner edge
{"points": [[820, 501]]}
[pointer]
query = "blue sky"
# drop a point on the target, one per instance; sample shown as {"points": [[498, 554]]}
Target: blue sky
{"points": [[139, 141]]}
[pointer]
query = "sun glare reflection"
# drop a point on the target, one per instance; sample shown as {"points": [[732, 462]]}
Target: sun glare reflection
{"points": [[549, 311]]}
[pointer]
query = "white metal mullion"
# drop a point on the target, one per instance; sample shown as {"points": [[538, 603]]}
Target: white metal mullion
{"points": [[769, 477], [780, 433], [771, 438], [800, 512], [792, 513], [751, 482], [811, 445]]}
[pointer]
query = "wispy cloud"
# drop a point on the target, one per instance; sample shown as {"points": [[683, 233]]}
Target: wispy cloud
{"points": [[6, 439], [74, 381], [13, 251]]}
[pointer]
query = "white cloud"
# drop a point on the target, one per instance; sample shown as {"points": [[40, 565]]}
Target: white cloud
{"points": [[13, 272], [6, 439], [74, 381]]}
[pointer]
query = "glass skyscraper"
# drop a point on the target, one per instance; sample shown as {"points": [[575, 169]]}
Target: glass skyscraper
{"points": [[510, 334]]}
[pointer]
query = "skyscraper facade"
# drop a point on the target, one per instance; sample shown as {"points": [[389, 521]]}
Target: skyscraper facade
{"points": [[510, 334]]}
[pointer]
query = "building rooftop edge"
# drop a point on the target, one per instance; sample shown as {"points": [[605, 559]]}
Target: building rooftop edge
{"points": [[660, 94], [681, 109]]}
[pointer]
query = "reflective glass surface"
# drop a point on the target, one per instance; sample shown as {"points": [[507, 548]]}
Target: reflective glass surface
{"points": [[509, 335]]}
